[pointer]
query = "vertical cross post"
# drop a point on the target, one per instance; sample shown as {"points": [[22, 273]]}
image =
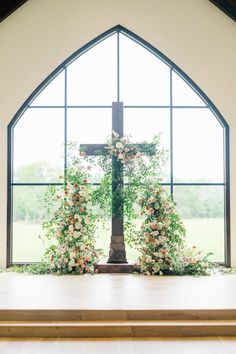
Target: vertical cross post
{"points": [[117, 252]]}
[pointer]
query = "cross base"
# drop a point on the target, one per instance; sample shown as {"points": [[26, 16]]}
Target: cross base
{"points": [[104, 267], [117, 252]]}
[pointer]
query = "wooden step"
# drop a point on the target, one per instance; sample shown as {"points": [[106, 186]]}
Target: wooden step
{"points": [[115, 315], [122, 329]]}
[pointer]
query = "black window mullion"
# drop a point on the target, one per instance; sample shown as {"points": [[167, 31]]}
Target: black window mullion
{"points": [[65, 122], [125, 106], [118, 66], [171, 135]]}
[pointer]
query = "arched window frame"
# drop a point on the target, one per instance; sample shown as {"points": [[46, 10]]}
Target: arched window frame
{"points": [[174, 68]]}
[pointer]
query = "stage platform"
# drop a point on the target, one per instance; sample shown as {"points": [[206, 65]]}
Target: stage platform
{"points": [[116, 291], [116, 305]]}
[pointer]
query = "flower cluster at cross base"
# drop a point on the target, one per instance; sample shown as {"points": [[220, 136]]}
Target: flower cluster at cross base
{"points": [[163, 248], [73, 226]]}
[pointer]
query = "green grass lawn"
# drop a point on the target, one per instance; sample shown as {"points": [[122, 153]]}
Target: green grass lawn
{"points": [[207, 234]]}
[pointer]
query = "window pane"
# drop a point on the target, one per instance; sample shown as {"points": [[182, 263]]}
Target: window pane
{"points": [[103, 233], [144, 79], [198, 146], [38, 145], [28, 214], [89, 126], [91, 78], [95, 171], [183, 94], [53, 94], [143, 124], [202, 211]]}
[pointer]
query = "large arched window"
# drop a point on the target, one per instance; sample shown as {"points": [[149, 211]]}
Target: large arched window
{"points": [[75, 103]]}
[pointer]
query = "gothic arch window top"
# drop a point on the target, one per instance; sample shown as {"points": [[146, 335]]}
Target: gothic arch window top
{"points": [[75, 103]]}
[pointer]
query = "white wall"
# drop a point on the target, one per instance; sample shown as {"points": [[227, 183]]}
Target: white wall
{"points": [[41, 34]]}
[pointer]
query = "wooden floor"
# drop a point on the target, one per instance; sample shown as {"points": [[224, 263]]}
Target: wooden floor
{"points": [[114, 291]]}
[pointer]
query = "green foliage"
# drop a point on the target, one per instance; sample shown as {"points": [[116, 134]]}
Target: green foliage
{"points": [[139, 165], [37, 268]]}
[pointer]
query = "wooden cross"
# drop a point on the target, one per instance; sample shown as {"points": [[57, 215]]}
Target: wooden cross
{"points": [[117, 252]]}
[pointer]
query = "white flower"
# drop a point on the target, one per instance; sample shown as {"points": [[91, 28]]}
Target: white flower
{"points": [[156, 206], [150, 211], [86, 220], [152, 200], [71, 227], [77, 225], [72, 255], [162, 238], [159, 255], [153, 225], [159, 225], [58, 195], [164, 198], [82, 193], [119, 145], [120, 156], [77, 234]]}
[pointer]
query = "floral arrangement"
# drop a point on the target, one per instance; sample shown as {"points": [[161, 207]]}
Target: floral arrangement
{"points": [[192, 261], [140, 165], [163, 248], [72, 225], [161, 240], [123, 150]]}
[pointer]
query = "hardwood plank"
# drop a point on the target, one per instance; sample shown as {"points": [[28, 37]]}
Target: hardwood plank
{"points": [[116, 315], [122, 329]]}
